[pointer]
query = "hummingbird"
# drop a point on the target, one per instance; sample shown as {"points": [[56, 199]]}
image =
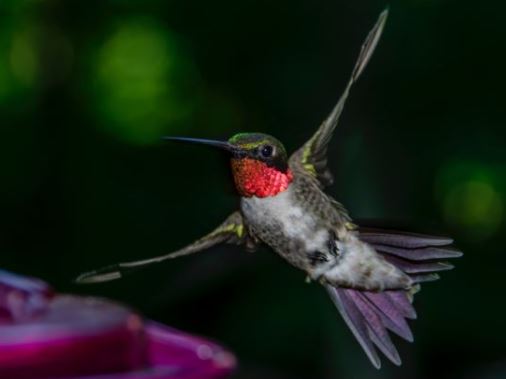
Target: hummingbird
{"points": [[371, 275]]}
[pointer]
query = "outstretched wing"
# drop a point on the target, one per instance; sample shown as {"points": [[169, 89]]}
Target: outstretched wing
{"points": [[311, 158], [231, 231]]}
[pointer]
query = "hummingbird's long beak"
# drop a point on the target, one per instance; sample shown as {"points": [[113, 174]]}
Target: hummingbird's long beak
{"points": [[221, 144]]}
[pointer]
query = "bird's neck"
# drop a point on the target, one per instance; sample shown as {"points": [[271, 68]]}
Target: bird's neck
{"points": [[255, 178]]}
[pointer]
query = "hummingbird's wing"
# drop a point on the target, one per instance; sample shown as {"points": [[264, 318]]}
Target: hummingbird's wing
{"points": [[231, 231], [311, 158]]}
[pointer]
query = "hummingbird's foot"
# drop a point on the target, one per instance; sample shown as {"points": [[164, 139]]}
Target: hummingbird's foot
{"points": [[337, 250], [318, 272]]}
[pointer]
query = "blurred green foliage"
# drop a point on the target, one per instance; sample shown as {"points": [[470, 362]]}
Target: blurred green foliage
{"points": [[138, 79], [87, 88]]}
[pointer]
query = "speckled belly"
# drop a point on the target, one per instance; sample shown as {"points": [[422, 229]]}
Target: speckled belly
{"points": [[286, 227]]}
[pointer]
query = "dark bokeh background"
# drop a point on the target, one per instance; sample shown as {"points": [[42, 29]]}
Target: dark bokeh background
{"points": [[87, 88]]}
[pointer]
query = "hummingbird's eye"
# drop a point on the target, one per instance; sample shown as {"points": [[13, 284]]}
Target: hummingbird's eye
{"points": [[266, 151]]}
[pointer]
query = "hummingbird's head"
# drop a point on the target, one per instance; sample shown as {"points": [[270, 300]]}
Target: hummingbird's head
{"points": [[259, 163]]}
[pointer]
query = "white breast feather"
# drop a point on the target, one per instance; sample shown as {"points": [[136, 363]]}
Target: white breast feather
{"points": [[357, 264], [296, 223], [361, 266]]}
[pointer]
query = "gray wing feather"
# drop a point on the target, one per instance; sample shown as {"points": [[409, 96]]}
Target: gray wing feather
{"points": [[230, 231], [311, 158]]}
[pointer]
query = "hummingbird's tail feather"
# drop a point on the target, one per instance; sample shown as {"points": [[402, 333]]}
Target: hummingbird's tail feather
{"points": [[355, 321], [375, 325], [416, 255], [370, 315], [402, 303], [401, 239], [392, 314]]}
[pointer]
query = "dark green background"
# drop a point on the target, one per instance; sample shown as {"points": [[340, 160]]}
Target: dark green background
{"points": [[87, 88]]}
